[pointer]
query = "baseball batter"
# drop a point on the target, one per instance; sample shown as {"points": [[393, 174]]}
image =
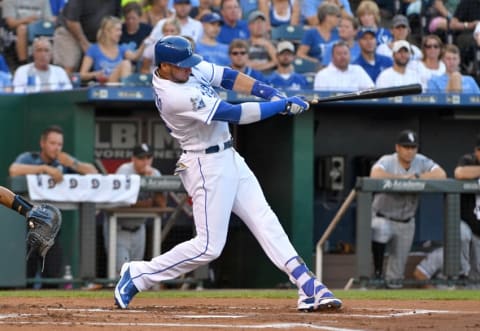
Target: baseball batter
{"points": [[215, 175], [393, 220]]}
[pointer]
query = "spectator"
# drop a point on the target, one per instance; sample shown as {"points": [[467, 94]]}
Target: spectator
{"points": [[40, 75], [315, 40], [79, 22], [400, 31], [285, 77], [463, 23], [5, 76], [131, 234], [393, 215], [452, 81], [340, 75], [476, 34], [442, 15], [280, 12], [347, 31], [134, 32], [204, 7], [109, 60], [368, 14], [208, 46], [431, 63], [51, 160], [309, 10], [368, 59], [238, 52], [170, 27], [18, 15], [468, 167], [56, 6], [156, 10], [261, 51], [399, 74], [233, 26], [189, 27], [246, 6]]}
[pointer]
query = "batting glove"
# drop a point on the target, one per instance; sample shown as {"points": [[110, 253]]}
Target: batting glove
{"points": [[295, 105]]}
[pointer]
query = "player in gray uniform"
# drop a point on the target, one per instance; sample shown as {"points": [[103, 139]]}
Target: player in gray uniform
{"points": [[431, 267], [131, 232], [393, 220], [215, 175], [468, 167]]}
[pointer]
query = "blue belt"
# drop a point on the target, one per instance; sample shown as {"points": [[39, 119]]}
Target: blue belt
{"points": [[214, 149]]}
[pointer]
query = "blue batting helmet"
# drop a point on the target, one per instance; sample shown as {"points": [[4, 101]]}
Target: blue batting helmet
{"points": [[176, 50]]}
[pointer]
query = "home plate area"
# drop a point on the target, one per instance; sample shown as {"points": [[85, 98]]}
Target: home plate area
{"points": [[51, 314]]}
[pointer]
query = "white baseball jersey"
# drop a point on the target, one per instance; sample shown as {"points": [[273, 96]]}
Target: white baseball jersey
{"points": [[186, 113]]}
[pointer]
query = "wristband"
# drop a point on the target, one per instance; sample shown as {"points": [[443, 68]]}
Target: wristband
{"points": [[20, 205], [465, 25], [265, 91]]}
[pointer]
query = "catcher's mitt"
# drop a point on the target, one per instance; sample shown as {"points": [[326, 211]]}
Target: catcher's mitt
{"points": [[44, 222]]}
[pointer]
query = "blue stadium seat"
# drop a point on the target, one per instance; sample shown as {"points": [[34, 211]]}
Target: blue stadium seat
{"points": [[302, 66], [40, 28], [293, 33], [137, 79]]}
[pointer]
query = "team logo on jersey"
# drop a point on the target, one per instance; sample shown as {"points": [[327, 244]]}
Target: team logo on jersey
{"points": [[197, 103]]}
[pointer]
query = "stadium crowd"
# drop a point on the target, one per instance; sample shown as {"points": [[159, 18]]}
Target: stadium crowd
{"points": [[112, 41]]}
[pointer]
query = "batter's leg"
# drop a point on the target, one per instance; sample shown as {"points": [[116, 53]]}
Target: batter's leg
{"points": [[251, 206], [212, 192]]}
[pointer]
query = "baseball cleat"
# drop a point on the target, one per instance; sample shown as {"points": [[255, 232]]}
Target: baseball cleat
{"points": [[323, 300], [125, 289]]}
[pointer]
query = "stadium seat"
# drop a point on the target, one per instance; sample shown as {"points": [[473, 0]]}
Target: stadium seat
{"points": [[40, 28], [137, 79], [293, 33], [302, 66]]}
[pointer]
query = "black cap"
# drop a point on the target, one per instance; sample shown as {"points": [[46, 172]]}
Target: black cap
{"points": [[142, 150], [407, 138]]}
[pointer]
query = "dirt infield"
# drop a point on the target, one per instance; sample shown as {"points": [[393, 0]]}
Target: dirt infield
{"points": [[42, 314]]}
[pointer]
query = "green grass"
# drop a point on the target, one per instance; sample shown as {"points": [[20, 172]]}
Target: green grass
{"points": [[248, 293]]}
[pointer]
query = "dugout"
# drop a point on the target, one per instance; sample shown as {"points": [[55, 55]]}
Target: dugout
{"points": [[306, 164]]}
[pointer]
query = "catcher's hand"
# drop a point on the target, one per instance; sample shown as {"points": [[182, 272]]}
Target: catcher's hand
{"points": [[44, 222]]}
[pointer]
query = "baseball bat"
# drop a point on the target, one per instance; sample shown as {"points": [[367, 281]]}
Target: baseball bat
{"points": [[374, 93]]}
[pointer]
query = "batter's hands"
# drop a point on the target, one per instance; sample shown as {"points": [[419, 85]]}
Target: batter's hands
{"points": [[295, 105]]}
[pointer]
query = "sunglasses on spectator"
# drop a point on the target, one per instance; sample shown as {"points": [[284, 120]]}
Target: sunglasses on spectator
{"points": [[431, 46], [238, 53]]}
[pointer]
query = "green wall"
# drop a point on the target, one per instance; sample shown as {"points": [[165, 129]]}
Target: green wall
{"points": [[22, 119]]}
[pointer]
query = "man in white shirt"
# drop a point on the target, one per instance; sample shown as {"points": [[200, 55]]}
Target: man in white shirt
{"points": [[399, 74], [340, 75], [40, 75]]}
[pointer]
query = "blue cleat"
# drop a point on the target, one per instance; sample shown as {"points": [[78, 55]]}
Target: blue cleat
{"points": [[125, 289], [323, 300]]}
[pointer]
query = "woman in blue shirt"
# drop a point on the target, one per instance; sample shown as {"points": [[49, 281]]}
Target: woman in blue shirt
{"points": [[315, 40], [107, 60]]}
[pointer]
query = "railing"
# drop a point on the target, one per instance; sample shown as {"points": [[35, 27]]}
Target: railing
{"points": [[365, 188]]}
